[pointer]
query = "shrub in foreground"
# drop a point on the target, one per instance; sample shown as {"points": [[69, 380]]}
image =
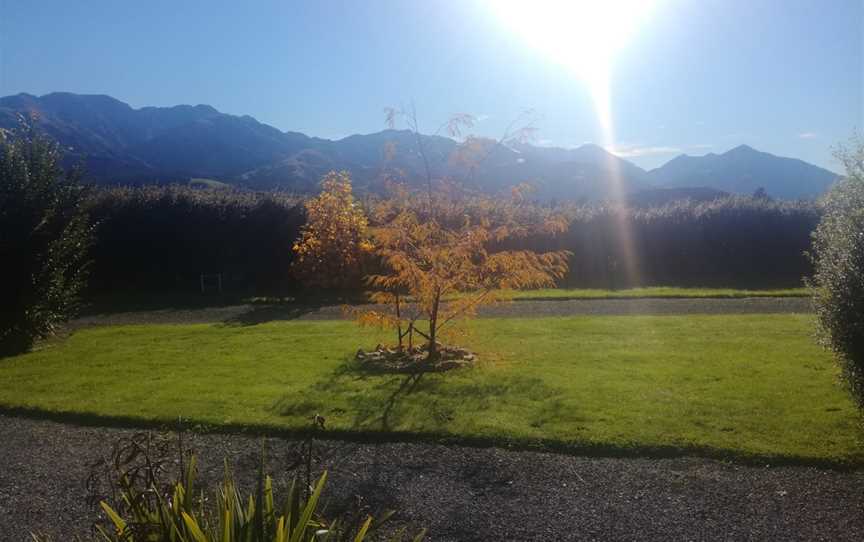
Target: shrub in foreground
{"points": [[45, 234], [144, 508], [838, 283]]}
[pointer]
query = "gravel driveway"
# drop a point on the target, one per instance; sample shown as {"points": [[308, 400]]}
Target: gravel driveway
{"points": [[254, 314], [462, 493]]}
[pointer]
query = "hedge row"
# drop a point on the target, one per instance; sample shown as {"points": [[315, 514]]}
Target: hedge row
{"points": [[736, 242], [163, 238]]}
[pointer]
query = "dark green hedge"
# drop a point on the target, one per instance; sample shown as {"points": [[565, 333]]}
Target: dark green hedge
{"points": [[163, 238], [733, 242]]}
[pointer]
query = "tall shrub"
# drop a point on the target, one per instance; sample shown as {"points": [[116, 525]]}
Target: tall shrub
{"points": [[330, 249], [838, 284], [44, 238]]}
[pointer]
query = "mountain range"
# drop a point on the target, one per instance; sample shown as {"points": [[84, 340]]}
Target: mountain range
{"points": [[119, 144]]}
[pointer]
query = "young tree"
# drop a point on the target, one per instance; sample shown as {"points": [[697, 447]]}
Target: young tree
{"points": [[45, 236], [329, 250], [453, 128], [470, 154], [440, 254], [443, 254], [838, 284]]}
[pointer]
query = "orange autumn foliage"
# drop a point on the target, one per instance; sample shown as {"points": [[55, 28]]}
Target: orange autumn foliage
{"points": [[438, 258], [330, 249]]}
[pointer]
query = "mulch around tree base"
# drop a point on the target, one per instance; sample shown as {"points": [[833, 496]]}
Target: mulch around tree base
{"points": [[463, 493]]}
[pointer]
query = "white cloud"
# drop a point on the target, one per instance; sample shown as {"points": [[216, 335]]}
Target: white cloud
{"points": [[808, 135], [636, 151], [482, 117]]}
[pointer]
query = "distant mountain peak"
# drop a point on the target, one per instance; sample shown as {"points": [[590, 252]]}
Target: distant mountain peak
{"points": [[683, 157], [121, 144], [593, 147], [82, 98], [200, 109], [593, 151], [742, 170], [741, 149]]}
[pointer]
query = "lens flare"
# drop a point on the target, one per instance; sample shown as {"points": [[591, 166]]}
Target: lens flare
{"points": [[584, 36]]}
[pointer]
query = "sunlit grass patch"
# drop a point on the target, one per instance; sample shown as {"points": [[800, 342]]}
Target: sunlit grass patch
{"points": [[655, 292], [743, 385]]}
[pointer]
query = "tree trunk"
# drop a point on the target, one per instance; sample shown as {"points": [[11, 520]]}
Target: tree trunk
{"points": [[433, 326], [398, 322]]}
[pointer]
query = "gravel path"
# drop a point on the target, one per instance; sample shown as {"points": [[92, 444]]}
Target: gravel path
{"points": [[461, 493], [255, 314]]}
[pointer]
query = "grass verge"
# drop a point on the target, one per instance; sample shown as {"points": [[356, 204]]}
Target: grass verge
{"points": [[727, 386], [136, 301], [655, 292]]}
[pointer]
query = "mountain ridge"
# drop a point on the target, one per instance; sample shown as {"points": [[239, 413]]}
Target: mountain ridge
{"points": [[743, 169], [121, 144]]}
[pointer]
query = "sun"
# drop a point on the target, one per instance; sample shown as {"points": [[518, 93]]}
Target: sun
{"points": [[584, 36]]}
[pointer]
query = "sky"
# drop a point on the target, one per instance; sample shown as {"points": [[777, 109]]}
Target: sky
{"points": [[689, 76]]}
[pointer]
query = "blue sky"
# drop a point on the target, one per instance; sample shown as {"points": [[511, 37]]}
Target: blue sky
{"points": [[697, 76]]}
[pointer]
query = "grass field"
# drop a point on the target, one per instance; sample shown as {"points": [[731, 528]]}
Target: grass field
{"points": [[737, 386], [200, 182], [657, 292], [136, 301]]}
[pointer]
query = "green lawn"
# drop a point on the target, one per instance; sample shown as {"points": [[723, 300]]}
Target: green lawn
{"points": [[208, 183], [737, 386], [136, 301], [655, 291]]}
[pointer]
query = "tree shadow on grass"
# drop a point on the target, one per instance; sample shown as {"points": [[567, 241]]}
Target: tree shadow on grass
{"points": [[372, 401], [270, 313], [314, 304]]}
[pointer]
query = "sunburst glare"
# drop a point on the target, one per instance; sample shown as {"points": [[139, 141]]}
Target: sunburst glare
{"points": [[584, 36]]}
